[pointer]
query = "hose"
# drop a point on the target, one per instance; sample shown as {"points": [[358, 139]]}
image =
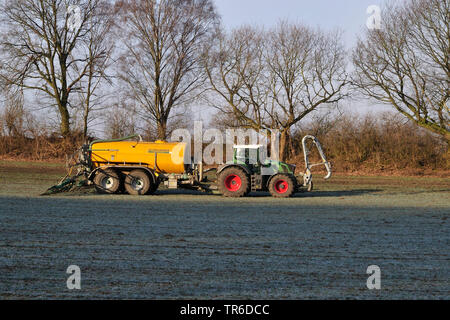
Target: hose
{"points": [[116, 140]]}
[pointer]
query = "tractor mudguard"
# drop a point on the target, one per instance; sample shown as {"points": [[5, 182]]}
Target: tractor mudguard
{"points": [[224, 166]]}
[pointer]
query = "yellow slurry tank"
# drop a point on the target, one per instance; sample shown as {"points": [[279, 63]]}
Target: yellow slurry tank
{"points": [[137, 167], [159, 156]]}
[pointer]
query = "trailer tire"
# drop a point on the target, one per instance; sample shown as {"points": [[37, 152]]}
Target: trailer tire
{"points": [[107, 181], [282, 186], [234, 182], [137, 182]]}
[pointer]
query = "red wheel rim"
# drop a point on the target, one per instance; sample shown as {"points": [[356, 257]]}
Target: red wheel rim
{"points": [[233, 183], [281, 186]]}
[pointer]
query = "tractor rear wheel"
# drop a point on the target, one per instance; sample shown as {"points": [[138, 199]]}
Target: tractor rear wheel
{"points": [[137, 182], [234, 182], [107, 181], [282, 186]]}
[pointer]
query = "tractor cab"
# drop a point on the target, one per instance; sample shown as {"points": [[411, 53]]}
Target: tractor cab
{"points": [[255, 157], [249, 154]]}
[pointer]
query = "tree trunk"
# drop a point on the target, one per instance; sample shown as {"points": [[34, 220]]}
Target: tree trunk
{"points": [[64, 100], [284, 145], [85, 124], [162, 130], [65, 121]]}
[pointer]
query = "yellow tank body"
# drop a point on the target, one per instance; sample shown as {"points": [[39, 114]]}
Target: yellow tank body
{"points": [[162, 157]]}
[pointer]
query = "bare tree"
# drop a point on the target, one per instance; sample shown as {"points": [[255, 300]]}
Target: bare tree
{"points": [[274, 79], [98, 46], [161, 64], [406, 63], [237, 76], [13, 115], [307, 70], [42, 49], [120, 122]]}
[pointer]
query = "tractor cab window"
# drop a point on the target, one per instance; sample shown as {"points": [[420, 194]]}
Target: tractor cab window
{"points": [[242, 155], [263, 155], [247, 155]]}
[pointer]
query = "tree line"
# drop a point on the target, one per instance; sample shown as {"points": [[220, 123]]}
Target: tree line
{"points": [[150, 60]]}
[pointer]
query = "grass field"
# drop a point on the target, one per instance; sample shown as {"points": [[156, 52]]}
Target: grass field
{"points": [[192, 245]]}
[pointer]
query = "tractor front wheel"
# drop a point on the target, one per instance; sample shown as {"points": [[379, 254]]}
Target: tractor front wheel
{"points": [[282, 186], [234, 182]]}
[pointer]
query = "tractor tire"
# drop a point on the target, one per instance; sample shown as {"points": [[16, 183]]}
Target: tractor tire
{"points": [[107, 181], [234, 182], [282, 186], [137, 182]]}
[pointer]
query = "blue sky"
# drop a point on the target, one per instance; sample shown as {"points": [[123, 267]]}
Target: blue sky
{"points": [[348, 15]]}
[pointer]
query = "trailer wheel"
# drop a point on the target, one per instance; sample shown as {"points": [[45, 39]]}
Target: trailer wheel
{"points": [[234, 182], [282, 186], [107, 181], [137, 182]]}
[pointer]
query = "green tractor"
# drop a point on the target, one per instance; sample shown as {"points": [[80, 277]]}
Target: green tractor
{"points": [[249, 172]]}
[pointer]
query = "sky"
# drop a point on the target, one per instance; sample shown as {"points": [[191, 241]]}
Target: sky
{"points": [[348, 15]]}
